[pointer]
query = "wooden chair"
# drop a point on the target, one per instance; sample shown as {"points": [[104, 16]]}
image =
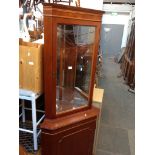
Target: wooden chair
{"points": [[60, 1]]}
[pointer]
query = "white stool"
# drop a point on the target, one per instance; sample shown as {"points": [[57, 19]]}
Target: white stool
{"points": [[31, 96]]}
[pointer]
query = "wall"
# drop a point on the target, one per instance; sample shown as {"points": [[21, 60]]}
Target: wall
{"points": [[122, 19], [92, 4], [132, 15], [111, 39], [123, 16]]}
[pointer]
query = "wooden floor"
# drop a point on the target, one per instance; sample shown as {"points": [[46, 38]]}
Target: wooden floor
{"points": [[22, 151]]}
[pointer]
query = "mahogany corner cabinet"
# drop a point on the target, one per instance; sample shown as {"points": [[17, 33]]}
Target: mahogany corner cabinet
{"points": [[71, 40]]}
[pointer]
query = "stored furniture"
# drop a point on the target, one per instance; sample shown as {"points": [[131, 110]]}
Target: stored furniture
{"points": [[31, 96], [30, 83], [68, 2], [71, 40], [128, 62]]}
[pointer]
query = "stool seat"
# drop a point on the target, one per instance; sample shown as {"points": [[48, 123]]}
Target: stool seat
{"points": [[23, 92]]}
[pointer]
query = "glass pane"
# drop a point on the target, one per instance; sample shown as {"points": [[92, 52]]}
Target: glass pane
{"points": [[74, 59]]}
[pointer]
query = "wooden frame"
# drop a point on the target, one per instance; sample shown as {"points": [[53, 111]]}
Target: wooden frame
{"points": [[60, 1], [60, 14]]}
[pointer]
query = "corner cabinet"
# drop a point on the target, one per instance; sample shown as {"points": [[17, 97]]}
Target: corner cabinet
{"points": [[71, 40]]}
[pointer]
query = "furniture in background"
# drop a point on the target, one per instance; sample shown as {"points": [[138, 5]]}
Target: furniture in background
{"points": [[71, 40], [68, 2], [32, 97], [128, 62], [31, 83], [97, 102]]}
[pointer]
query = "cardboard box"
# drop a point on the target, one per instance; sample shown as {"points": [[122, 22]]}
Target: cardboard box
{"points": [[31, 66]]}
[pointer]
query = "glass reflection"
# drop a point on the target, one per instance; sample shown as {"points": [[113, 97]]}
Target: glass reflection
{"points": [[74, 58]]}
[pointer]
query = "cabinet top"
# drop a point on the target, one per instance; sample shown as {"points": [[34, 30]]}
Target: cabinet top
{"points": [[61, 6], [64, 11]]}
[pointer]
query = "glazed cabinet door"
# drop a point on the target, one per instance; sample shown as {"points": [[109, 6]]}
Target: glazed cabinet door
{"points": [[71, 40], [75, 51]]}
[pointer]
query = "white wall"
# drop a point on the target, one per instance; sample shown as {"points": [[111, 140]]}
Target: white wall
{"points": [[118, 19], [92, 4], [117, 7], [123, 18]]}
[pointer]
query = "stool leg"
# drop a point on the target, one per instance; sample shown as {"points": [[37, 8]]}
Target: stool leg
{"points": [[34, 122], [23, 110]]}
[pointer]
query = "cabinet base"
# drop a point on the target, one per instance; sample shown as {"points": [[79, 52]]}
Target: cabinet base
{"points": [[70, 135]]}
